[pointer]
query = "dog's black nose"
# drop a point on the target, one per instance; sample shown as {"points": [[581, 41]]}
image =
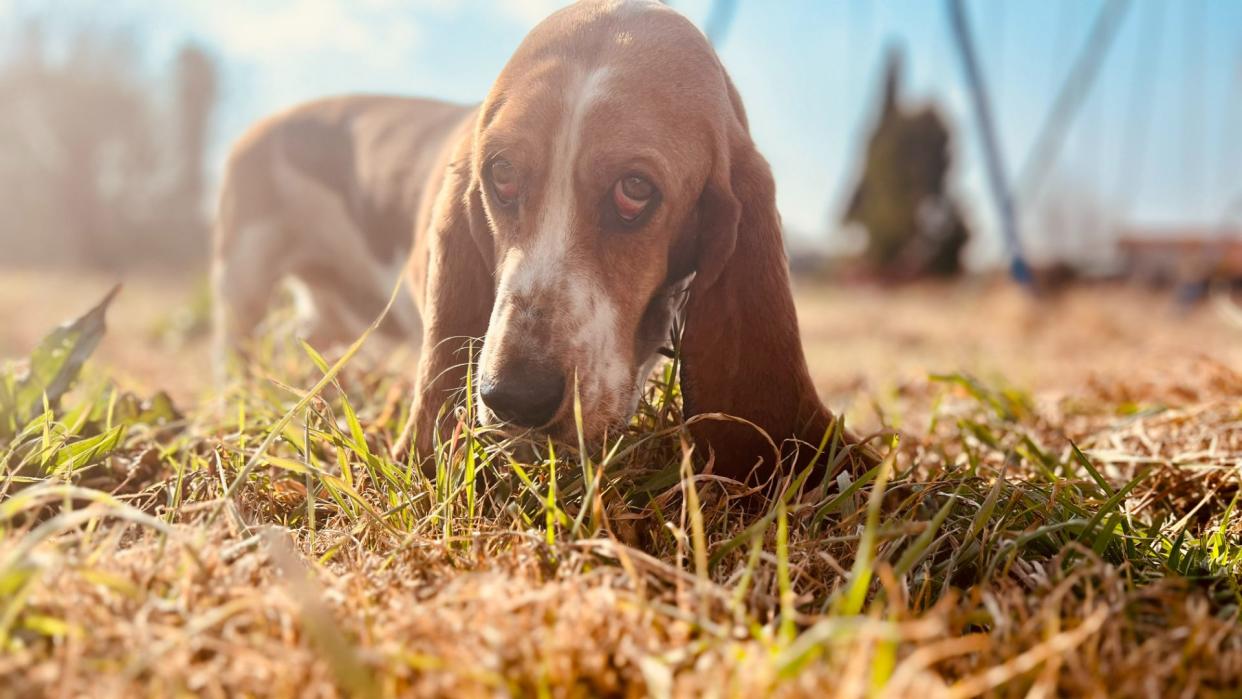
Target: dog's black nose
{"points": [[525, 395]]}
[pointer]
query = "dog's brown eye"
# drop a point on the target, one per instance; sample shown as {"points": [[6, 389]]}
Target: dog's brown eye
{"points": [[504, 179], [632, 195]]}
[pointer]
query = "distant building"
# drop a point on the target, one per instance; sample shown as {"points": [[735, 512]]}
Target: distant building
{"points": [[1180, 255]]}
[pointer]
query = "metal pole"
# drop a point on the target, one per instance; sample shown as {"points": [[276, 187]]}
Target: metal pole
{"points": [[993, 158], [1071, 97]]}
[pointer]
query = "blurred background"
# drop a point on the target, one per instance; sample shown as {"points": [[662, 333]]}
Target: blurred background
{"points": [[1012, 144]]}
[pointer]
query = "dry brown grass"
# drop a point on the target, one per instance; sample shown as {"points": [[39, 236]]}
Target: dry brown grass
{"points": [[988, 558]]}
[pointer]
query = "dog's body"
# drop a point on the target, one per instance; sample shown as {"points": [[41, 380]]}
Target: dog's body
{"points": [[329, 194], [608, 176]]}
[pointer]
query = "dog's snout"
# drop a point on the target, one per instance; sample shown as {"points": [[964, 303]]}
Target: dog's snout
{"points": [[527, 395]]}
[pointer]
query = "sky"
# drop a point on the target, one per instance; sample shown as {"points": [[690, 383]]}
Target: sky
{"points": [[1157, 143]]}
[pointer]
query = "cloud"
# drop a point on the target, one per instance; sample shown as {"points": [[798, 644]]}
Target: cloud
{"points": [[530, 11], [370, 30]]}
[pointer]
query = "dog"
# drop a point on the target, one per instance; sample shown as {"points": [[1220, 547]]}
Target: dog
{"points": [[607, 186]]}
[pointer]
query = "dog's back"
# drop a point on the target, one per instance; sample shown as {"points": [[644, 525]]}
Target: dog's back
{"points": [[326, 195]]}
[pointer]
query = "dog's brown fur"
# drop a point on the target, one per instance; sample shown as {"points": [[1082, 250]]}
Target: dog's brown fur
{"points": [[327, 193], [597, 91]]}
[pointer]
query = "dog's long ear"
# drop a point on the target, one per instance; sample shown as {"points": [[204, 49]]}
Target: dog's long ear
{"points": [[457, 289], [467, 186], [480, 227], [740, 346]]}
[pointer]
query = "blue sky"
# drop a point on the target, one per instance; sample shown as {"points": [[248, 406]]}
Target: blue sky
{"points": [[807, 70]]}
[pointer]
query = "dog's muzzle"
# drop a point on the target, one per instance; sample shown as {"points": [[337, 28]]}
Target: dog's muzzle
{"points": [[524, 394]]}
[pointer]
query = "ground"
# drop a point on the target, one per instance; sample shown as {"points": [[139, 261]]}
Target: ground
{"points": [[1056, 518], [863, 343]]}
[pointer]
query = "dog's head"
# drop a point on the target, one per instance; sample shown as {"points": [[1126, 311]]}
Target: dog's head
{"points": [[604, 175]]}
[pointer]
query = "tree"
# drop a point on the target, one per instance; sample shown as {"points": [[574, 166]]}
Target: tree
{"points": [[196, 100], [914, 227], [91, 171]]}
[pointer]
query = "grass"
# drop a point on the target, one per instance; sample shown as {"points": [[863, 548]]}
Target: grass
{"points": [[264, 543]]}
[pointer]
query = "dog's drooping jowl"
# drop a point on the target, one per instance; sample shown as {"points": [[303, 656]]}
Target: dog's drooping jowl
{"points": [[607, 184]]}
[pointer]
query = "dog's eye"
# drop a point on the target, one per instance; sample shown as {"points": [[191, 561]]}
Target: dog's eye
{"points": [[632, 195], [504, 179]]}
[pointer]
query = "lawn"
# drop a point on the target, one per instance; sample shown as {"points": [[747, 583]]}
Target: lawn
{"points": [[1056, 515]]}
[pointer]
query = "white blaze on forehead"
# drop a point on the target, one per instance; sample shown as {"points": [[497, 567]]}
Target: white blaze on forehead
{"points": [[541, 271], [545, 257]]}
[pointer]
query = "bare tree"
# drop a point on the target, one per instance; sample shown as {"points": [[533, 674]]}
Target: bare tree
{"points": [[196, 100], [91, 170]]}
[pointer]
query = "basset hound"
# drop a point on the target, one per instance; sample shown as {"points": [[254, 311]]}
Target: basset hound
{"points": [[607, 184]]}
